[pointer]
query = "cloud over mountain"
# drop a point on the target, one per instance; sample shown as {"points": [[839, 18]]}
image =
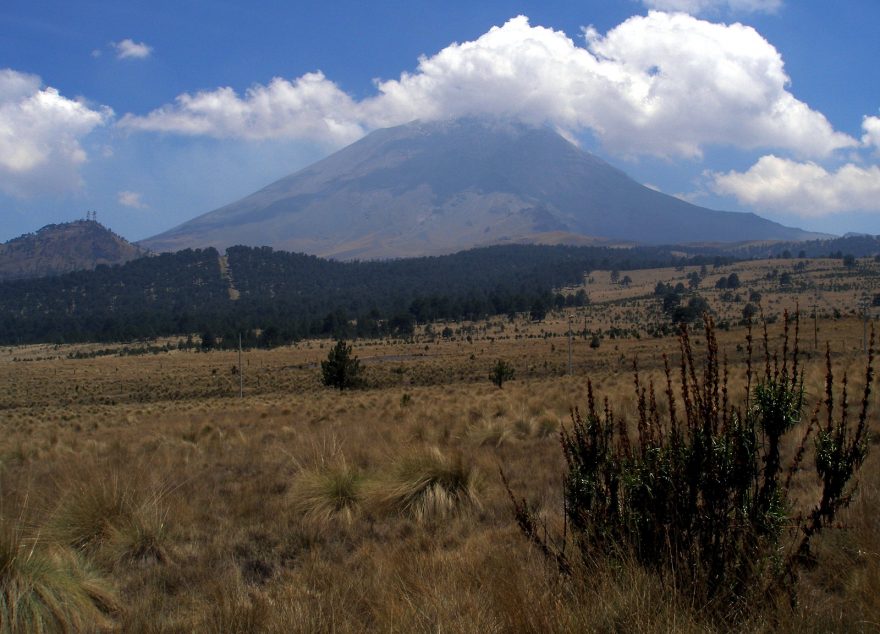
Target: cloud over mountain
{"points": [[662, 84], [40, 134], [805, 189]]}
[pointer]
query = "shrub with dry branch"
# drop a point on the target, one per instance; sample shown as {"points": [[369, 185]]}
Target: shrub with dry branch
{"points": [[701, 494]]}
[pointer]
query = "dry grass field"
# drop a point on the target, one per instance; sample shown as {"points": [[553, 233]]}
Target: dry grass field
{"points": [[142, 494]]}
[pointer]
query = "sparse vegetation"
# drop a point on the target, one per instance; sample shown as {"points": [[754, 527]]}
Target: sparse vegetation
{"points": [[301, 508]]}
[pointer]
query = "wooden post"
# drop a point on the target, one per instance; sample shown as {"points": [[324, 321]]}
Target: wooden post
{"points": [[569, 347]]}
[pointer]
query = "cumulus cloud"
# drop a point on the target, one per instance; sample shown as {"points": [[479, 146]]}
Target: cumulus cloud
{"points": [[871, 126], [661, 84], [131, 199], [311, 107], [40, 133], [803, 188], [129, 49], [713, 6]]}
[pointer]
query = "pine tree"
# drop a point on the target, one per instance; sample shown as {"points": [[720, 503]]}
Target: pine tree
{"points": [[341, 369]]}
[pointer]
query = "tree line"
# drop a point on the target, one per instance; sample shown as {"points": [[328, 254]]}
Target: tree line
{"points": [[284, 297]]}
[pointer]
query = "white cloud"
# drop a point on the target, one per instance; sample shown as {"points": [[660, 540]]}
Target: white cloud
{"points": [[40, 133], [804, 189], [129, 49], [871, 138], [713, 6], [688, 83], [131, 199], [310, 107], [661, 84]]}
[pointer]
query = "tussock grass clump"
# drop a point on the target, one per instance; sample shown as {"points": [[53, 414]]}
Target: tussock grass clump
{"points": [[546, 426], [427, 485], [327, 494], [142, 539], [490, 433], [524, 427], [90, 511], [46, 589], [121, 523]]}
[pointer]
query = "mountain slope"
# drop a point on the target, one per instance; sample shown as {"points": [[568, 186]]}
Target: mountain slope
{"points": [[61, 248], [430, 188]]}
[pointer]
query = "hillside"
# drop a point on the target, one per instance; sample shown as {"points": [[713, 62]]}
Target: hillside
{"points": [[281, 297], [435, 188], [62, 248]]}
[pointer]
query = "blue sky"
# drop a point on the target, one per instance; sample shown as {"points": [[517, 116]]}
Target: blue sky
{"points": [[154, 112]]}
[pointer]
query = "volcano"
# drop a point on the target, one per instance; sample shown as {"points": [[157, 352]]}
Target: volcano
{"points": [[428, 188]]}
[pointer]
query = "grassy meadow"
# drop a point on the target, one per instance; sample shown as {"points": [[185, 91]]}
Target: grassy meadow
{"points": [[142, 494]]}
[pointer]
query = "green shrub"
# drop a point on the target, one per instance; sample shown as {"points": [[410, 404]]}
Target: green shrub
{"points": [[700, 495], [502, 371]]}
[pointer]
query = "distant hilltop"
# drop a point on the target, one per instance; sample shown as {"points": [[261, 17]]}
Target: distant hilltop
{"points": [[62, 248]]}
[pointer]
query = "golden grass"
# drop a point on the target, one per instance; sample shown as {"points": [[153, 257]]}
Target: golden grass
{"points": [[119, 519], [426, 485], [301, 509], [327, 495]]}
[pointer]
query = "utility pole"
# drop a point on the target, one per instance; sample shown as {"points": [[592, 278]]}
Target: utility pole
{"points": [[815, 325], [240, 370], [569, 347]]}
